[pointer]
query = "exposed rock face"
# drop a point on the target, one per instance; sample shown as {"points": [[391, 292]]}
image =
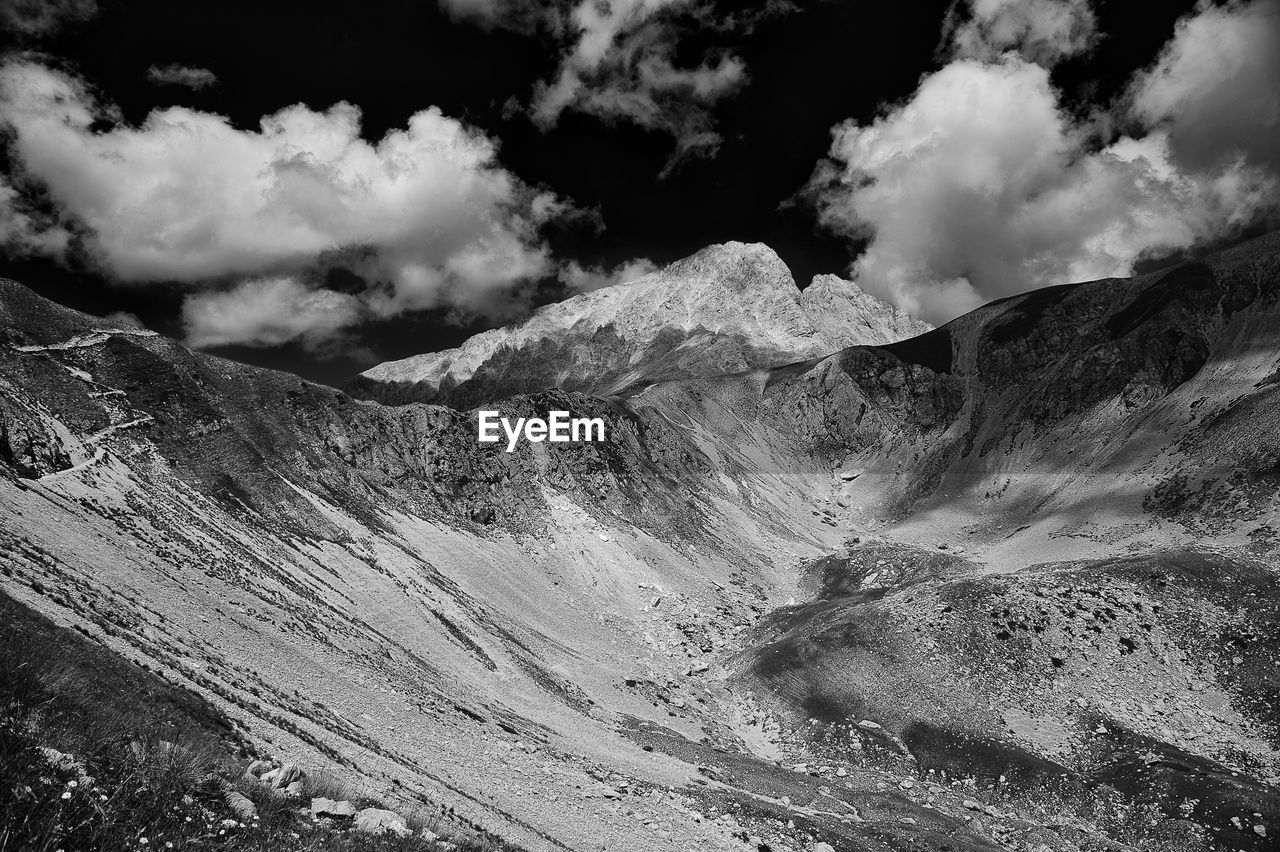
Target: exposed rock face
{"points": [[846, 316], [748, 578], [727, 309]]}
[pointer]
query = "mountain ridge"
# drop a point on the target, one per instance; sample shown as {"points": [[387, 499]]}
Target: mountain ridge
{"points": [[728, 308]]}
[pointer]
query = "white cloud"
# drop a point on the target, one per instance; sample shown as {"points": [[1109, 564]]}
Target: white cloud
{"points": [[267, 312], [181, 75], [1216, 86], [24, 231], [1044, 31], [584, 279], [619, 61], [621, 67], [980, 186], [43, 17], [432, 217]]}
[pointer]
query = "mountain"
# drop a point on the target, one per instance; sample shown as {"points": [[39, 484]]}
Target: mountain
{"points": [[729, 308], [1009, 584], [847, 316]]}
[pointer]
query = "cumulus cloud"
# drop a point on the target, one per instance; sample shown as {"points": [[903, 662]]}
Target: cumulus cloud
{"points": [[1044, 31], [981, 185], [38, 18], [181, 75], [268, 312], [426, 214], [1216, 86], [584, 279]]}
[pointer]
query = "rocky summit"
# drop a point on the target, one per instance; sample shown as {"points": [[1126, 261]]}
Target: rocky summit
{"points": [[729, 308], [1008, 584]]}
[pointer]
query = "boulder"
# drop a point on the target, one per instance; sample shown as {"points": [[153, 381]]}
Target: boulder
{"points": [[240, 805], [381, 821], [282, 777], [290, 773], [258, 767], [66, 763], [322, 807]]}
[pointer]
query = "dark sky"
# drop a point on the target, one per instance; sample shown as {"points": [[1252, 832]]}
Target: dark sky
{"points": [[809, 69]]}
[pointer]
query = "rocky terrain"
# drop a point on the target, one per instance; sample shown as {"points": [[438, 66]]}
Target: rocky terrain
{"points": [[97, 752], [1007, 584]]}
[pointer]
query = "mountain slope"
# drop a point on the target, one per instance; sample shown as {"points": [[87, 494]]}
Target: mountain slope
{"points": [[726, 309], [634, 643], [1097, 463], [368, 586]]}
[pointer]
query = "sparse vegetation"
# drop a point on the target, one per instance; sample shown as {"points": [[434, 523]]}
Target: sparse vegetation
{"points": [[98, 754]]}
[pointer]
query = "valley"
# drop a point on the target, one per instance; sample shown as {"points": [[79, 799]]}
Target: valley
{"points": [[1010, 583]]}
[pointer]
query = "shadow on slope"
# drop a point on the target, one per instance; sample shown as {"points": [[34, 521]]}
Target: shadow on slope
{"points": [[1139, 693]]}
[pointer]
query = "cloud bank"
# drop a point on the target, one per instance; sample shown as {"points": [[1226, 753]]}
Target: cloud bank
{"points": [[268, 312], [1216, 87], [426, 215], [981, 185]]}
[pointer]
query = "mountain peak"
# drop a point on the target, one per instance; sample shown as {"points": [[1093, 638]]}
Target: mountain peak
{"points": [[849, 316], [728, 308], [737, 265]]}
